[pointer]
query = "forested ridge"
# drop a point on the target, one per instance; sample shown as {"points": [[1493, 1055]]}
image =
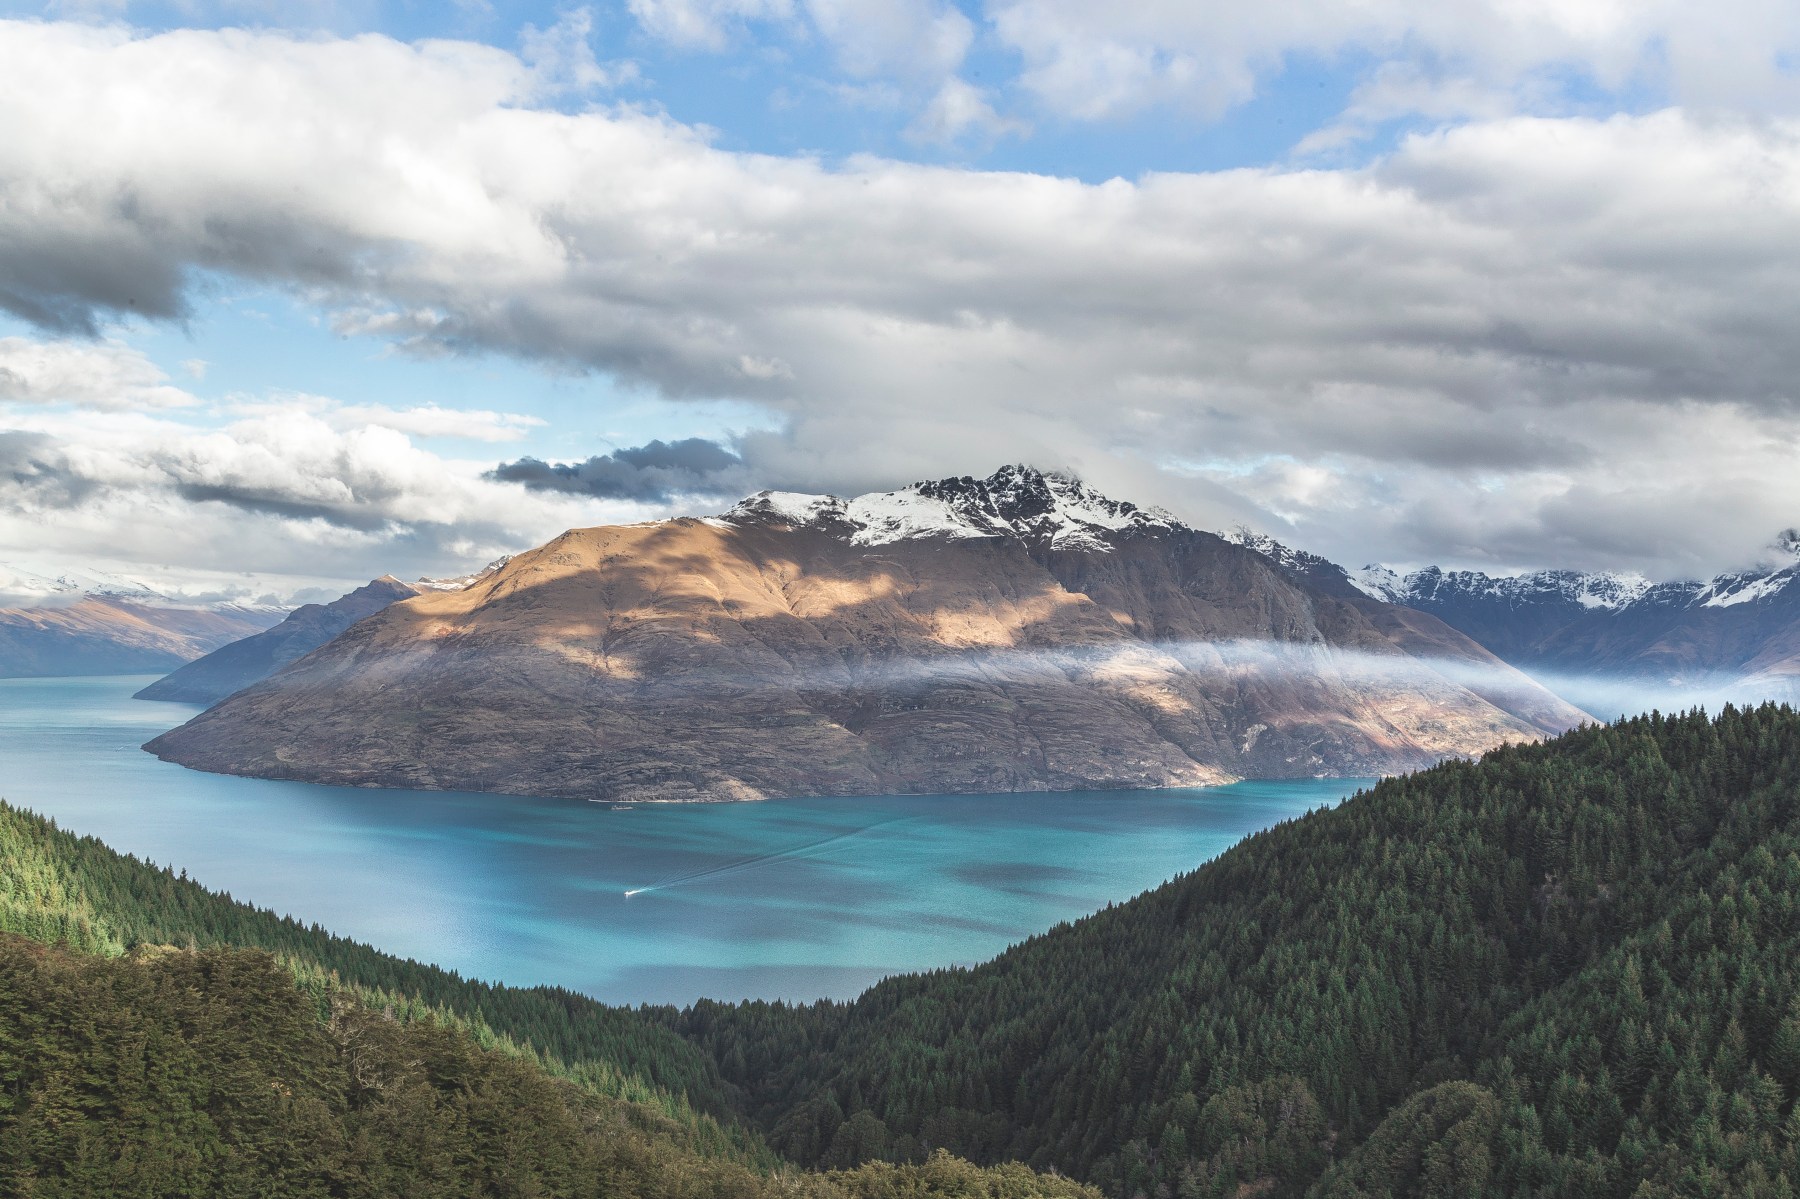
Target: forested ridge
{"points": [[1568, 969], [63, 889], [171, 1072], [143, 1051]]}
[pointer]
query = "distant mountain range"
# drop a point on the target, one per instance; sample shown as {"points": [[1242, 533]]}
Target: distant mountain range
{"points": [[1610, 643], [93, 623], [1019, 632], [233, 667]]}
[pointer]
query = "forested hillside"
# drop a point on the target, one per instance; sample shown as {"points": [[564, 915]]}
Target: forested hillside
{"points": [[165, 1069], [63, 889], [1571, 968]]}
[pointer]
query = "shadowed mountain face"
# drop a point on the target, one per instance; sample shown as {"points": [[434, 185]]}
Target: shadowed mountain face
{"points": [[233, 667], [1014, 633]]}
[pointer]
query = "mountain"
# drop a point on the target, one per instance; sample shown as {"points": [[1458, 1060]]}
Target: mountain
{"points": [[75, 624], [235, 666], [1572, 968], [1019, 632], [1736, 635]]}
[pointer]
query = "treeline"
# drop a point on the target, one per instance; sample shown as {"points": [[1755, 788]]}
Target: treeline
{"points": [[1568, 969]]}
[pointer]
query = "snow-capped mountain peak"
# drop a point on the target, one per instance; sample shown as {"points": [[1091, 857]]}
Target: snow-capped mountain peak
{"points": [[23, 587], [1378, 582], [1044, 509]]}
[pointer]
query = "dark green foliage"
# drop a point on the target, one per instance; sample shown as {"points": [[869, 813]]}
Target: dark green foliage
{"points": [[171, 1072], [1568, 969], [74, 891]]}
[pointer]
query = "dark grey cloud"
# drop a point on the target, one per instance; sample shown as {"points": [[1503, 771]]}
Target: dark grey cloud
{"points": [[34, 468], [265, 501], [655, 472]]}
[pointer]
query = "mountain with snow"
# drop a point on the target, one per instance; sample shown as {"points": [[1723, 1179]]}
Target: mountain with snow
{"points": [[1612, 641], [1020, 632], [21, 587], [455, 582], [92, 622]]}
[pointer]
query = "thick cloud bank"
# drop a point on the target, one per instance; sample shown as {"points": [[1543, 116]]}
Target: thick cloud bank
{"points": [[1524, 341]]}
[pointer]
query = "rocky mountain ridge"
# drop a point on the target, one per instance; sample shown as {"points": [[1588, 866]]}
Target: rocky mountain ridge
{"points": [[1040, 509]]}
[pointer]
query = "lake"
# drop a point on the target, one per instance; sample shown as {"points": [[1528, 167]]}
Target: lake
{"points": [[794, 899]]}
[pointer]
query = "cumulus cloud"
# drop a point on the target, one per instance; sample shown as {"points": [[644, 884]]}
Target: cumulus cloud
{"points": [[280, 493], [656, 472], [1462, 349], [958, 111], [1094, 61], [109, 376], [429, 420]]}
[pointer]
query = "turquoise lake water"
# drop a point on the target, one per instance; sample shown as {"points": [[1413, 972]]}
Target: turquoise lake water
{"points": [[793, 899]]}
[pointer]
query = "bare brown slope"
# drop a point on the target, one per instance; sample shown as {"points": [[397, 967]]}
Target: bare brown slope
{"points": [[98, 635], [701, 660]]}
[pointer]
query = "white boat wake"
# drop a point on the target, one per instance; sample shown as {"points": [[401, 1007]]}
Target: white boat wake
{"points": [[811, 849]]}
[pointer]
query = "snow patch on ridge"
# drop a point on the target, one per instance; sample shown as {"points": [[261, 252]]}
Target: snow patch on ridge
{"points": [[1728, 591]]}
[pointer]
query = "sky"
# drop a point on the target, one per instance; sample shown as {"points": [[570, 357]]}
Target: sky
{"points": [[292, 295]]}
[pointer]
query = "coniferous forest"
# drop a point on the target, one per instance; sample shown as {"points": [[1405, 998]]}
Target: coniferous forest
{"points": [[1569, 969]]}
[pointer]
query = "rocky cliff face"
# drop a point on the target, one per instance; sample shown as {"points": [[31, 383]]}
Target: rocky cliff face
{"points": [[1014, 633]]}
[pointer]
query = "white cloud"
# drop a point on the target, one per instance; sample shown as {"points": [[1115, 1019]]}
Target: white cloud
{"points": [[562, 56], [429, 420], [1097, 61], [1504, 302], [958, 111], [894, 37], [108, 376], [704, 24], [278, 493]]}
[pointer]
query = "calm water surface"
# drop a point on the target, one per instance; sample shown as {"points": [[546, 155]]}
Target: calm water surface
{"points": [[792, 899]]}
